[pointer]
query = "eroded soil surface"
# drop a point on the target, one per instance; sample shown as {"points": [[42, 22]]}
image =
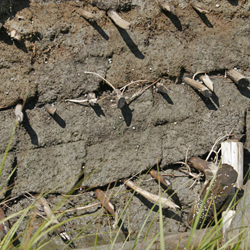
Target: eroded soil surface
{"points": [[98, 147]]}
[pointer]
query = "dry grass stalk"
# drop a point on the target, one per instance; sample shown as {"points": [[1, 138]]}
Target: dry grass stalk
{"points": [[199, 8], [160, 178], [105, 201], [200, 87], [238, 78], [167, 7], [149, 196], [118, 20], [4, 226], [46, 208], [50, 109], [19, 113]]}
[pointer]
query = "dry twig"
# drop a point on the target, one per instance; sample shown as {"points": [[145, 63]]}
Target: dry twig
{"points": [[149, 196]]}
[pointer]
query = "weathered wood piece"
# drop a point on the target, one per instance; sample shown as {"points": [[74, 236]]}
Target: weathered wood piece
{"points": [[105, 201], [88, 15], [160, 178], [232, 153], [224, 180], [46, 208], [50, 109], [167, 7], [205, 78], [120, 99], [206, 167], [118, 20], [149, 196], [92, 99], [197, 6], [161, 88], [19, 113], [238, 78], [4, 226], [200, 87]]}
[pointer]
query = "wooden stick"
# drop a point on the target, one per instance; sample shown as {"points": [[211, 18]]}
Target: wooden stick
{"points": [[225, 178], [88, 15], [46, 208], [160, 178], [19, 113], [105, 201], [149, 196], [92, 99], [167, 7], [201, 88], [50, 109], [120, 99], [232, 154], [118, 20], [199, 8], [207, 168], [4, 226], [238, 78], [205, 78], [161, 88]]}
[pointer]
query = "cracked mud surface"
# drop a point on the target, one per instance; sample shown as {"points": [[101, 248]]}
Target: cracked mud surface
{"points": [[102, 145]]}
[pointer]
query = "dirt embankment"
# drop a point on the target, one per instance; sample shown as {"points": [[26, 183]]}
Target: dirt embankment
{"points": [[101, 145]]}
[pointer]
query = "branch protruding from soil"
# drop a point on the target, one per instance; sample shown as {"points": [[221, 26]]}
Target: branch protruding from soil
{"points": [[160, 178], [167, 7], [149, 196], [197, 6], [238, 78], [102, 197], [50, 109], [118, 20], [200, 87], [19, 113], [46, 208], [205, 79]]}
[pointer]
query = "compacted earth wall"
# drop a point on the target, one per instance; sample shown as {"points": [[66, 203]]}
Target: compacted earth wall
{"points": [[83, 147]]}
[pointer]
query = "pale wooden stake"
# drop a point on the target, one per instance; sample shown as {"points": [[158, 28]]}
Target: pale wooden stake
{"points": [[50, 109], [118, 20], [168, 7], [205, 78], [200, 87], [19, 113], [149, 196], [4, 226], [46, 208], [161, 88], [102, 197], [120, 99], [199, 8], [238, 78], [232, 153], [88, 15]]}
